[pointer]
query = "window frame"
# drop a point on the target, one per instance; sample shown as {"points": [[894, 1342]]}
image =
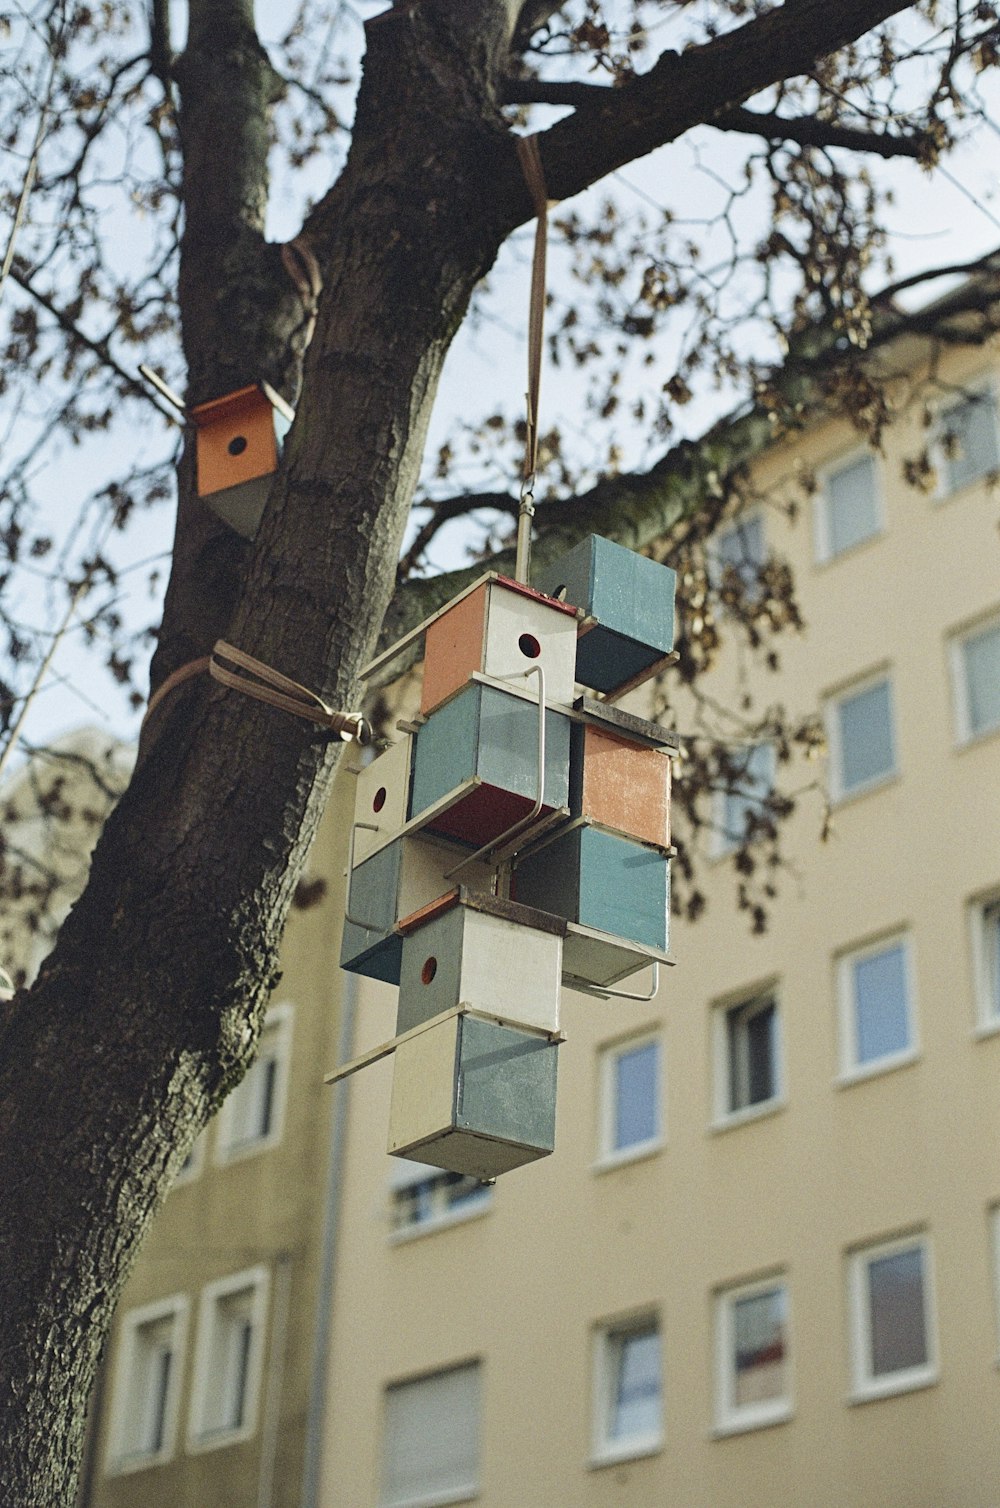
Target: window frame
{"points": [[443, 1214], [982, 385], [866, 1386], [724, 1115], [463, 1494], [278, 1027], [985, 972], [822, 506], [732, 1418], [838, 792], [851, 1070], [750, 519], [993, 1237], [120, 1459], [725, 842], [257, 1280], [965, 734], [609, 1338], [192, 1169], [608, 1154]]}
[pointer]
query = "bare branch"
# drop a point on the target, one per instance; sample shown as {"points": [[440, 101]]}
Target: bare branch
{"points": [[810, 131]]}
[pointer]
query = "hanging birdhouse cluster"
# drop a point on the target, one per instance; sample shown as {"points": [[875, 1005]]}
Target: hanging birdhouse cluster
{"points": [[515, 839]]}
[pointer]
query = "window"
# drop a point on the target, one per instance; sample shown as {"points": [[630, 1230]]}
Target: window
{"points": [[742, 548], [628, 1402], [251, 1117], [847, 508], [144, 1417], [747, 1057], [986, 960], [976, 673], [423, 1198], [861, 738], [876, 1014], [753, 1378], [740, 808], [993, 1217], [430, 1451], [890, 1301], [630, 1118], [968, 440], [194, 1161], [229, 1358]]}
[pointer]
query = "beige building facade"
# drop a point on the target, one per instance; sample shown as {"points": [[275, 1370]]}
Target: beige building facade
{"points": [[762, 1267]]}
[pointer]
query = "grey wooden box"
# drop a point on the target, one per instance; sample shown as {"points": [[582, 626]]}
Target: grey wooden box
{"points": [[473, 1096]]}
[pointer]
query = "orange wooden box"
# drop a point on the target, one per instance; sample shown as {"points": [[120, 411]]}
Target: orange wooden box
{"points": [[620, 785], [238, 442]]}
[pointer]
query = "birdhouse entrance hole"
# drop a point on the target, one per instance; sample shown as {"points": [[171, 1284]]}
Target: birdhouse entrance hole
{"points": [[428, 971], [529, 646], [237, 445]]}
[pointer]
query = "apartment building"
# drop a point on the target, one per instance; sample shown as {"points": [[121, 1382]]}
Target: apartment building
{"points": [[762, 1266]]}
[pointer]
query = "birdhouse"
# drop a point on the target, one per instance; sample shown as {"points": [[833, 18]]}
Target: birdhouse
{"points": [[395, 881], [485, 952], [620, 784], [238, 445], [630, 600], [473, 1096], [475, 766], [602, 881], [596, 960], [382, 798], [500, 628]]}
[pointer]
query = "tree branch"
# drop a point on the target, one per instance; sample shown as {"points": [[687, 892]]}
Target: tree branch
{"points": [[684, 89], [810, 131]]}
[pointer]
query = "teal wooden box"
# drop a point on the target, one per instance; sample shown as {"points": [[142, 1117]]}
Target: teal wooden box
{"points": [[632, 600], [473, 1096], [481, 749], [603, 881]]}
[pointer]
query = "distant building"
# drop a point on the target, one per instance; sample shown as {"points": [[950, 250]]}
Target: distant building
{"points": [[762, 1266]]}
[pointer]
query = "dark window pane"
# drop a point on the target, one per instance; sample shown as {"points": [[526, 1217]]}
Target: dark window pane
{"points": [[636, 1078], [896, 1300]]}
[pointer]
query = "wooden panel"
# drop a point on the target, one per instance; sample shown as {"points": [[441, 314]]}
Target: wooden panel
{"points": [[453, 648], [235, 440], [522, 631], [423, 1085], [382, 797], [602, 881], [621, 785]]}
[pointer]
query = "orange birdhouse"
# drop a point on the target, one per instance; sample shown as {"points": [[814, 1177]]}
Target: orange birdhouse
{"points": [[238, 445]]}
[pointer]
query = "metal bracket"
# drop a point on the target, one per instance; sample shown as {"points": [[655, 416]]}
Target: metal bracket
{"points": [[605, 992], [371, 827]]}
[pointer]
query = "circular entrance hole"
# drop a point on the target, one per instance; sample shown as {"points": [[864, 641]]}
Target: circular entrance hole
{"points": [[237, 445], [378, 800], [529, 646], [428, 971]]}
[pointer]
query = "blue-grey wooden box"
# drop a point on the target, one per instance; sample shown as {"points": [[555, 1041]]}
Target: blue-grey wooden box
{"points": [[632, 599], [369, 945], [474, 1097], [491, 735], [603, 881]]}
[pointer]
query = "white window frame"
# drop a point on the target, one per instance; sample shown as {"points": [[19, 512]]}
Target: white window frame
{"points": [[122, 1456], [985, 968], [724, 1116], [993, 1219], [865, 1386], [851, 1070], [748, 520], [832, 703], [725, 842], [964, 732], [202, 1436], [276, 1044], [822, 504], [976, 387], [609, 1338], [405, 1174], [608, 1154], [732, 1418], [196, 1161], [463, 1494]]}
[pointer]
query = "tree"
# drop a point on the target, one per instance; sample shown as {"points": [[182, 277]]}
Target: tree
{"points": [[148, 1008]]}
